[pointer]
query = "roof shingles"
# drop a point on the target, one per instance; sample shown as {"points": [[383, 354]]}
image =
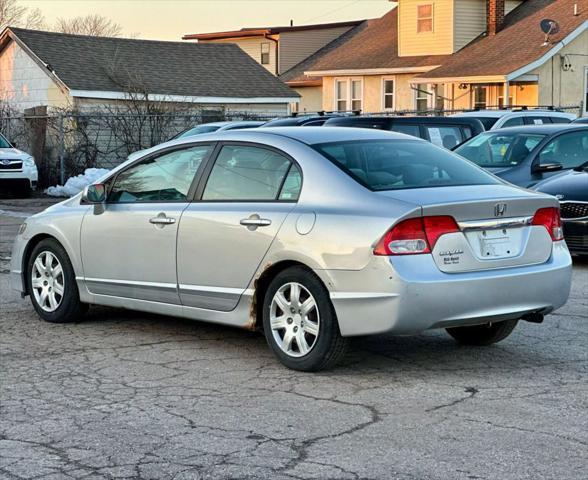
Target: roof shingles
{"points": [[156, 67], [519, 42]]}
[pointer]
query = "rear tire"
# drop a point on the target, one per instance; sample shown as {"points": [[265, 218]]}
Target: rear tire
{"points": [[483, 335], [299, 322], [52, 284]]}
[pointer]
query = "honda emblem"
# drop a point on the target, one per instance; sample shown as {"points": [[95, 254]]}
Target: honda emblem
{"points": [[499, 209]]}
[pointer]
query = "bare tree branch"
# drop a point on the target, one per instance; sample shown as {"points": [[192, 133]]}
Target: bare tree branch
{"points": [[14, 15], [93, 24]]}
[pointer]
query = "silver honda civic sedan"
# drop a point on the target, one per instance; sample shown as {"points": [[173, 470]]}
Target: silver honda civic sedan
{"points": [[313, 235]]}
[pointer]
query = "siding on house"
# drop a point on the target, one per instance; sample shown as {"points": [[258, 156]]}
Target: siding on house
{"points": [[252, 47], [295, 46], [470, 20], [311, 99], [23, 84], [559, 87], [437, 42]]}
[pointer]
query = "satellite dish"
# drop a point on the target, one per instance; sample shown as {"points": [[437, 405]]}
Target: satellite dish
{"points": [[549, 26]]}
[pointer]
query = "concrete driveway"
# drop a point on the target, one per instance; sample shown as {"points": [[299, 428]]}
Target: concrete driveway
{"points": [[137, 396]]}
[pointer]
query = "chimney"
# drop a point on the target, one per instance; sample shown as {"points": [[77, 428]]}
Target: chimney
{"points": [[494, 16]]}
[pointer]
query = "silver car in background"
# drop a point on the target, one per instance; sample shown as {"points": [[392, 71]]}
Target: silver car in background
{"points": [[312, 234]]}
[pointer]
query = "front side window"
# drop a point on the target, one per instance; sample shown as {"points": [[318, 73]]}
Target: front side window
{"points": [[388, 92], [247, 174], [425, 18], [570, 150], [166, 178], [341, 95], [500, 150], [265, 53], [401, 164]]}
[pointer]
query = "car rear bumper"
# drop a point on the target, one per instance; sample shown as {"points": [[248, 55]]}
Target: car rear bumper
{"points": [[408, 295]]}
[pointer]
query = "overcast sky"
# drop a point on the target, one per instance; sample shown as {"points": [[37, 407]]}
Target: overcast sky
{"points": [[170, 19]]}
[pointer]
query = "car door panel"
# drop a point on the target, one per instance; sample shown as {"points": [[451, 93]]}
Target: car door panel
{"points": [[129, 243], [126, 255], [217, 255], [224, 235]]}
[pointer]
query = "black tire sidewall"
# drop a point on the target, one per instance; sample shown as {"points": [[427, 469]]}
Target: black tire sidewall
{"points": [[329, 327], [70, 303]]}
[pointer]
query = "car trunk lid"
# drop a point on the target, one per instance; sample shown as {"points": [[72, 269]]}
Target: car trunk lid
{"points": [[495, 225]]}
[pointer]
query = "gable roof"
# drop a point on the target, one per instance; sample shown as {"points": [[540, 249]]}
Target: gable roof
{"points": [[261, 31], [174, 69], [372, 45], [518, 43]]}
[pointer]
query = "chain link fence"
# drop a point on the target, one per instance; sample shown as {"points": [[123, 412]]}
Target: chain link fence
{"points": [[65, 143]]}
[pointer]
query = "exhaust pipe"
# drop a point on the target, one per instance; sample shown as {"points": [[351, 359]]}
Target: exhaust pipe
{"points": [[534, 317]]}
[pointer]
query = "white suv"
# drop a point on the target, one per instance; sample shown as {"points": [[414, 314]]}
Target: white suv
{"points": [[17, 168], [494, 119]]}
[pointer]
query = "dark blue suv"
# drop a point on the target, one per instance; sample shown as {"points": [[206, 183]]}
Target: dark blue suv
{"points": [[529, 154]]}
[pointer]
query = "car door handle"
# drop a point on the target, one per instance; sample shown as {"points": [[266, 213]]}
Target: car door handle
{"points": [[162, 220], [255, 221]]}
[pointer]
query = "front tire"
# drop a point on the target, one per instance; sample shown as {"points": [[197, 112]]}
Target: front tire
{"points": [[299, 322], [52, 284], [483, 335]]}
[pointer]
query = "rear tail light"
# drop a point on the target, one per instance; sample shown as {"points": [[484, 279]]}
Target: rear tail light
{"points": [[551, 220], [415, 235]]}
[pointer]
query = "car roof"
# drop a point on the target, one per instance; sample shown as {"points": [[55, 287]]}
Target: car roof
{"points": [[402, 119], [503, 113], [545, 129], [307, 135]]}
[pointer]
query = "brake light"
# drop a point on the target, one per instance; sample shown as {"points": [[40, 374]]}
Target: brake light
{"points": [[415, 235], [551, 220]]}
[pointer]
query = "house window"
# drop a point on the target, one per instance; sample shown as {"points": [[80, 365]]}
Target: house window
{"points": [[425, 18], [356, 95], [341, 95], [388, 93], [265, 53], [479, 97], [421, 98]]}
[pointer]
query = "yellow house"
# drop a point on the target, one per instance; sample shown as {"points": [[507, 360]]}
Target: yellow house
{"points": [[456, 54]]}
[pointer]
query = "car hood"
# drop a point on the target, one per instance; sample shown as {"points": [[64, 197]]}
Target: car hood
{"points": [[13, 154], [570, 185]]}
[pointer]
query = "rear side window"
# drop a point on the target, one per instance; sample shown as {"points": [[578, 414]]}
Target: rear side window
{"points": [[292, 184], [513, 122], [412, 130], [560, 120], [444, 136], [569, 149], [401, 164], [245, 173]]}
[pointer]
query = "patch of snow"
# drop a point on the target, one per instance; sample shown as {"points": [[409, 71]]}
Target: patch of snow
{"points": [[75, 185]]}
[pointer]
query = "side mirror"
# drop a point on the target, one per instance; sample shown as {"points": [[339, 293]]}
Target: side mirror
{"points": [[94, 193], [548, 167]]}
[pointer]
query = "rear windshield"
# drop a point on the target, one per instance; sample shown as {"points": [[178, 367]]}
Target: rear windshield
{"points": [[500, 150], [4, 143], [400, 164]]}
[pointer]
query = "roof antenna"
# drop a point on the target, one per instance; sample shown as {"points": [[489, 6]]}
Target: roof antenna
{"points": [[548, 27]]}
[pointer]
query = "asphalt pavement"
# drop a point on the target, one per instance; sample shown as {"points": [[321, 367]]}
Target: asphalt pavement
{"points": [[137, 396]]}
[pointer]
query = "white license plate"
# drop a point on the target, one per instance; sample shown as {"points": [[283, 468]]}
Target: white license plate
{"points": [[495, 244]]}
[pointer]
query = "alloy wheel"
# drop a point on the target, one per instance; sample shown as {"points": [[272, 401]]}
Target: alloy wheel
{"points": [[47, 281], [294, 319]]}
